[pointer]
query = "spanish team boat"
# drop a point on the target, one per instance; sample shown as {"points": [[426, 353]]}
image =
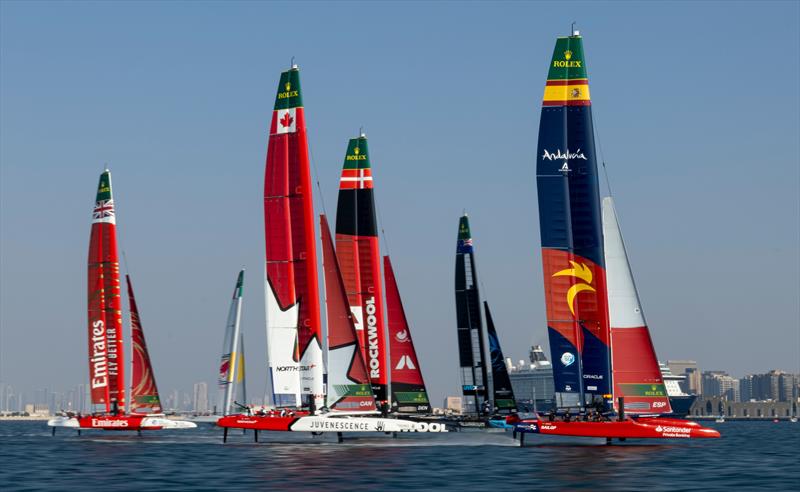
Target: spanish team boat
{"points": [[607, 379], [106, 347], [294, 329]]}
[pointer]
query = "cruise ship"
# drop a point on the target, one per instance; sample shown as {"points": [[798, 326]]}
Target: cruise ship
{"points": [[533, 385]]}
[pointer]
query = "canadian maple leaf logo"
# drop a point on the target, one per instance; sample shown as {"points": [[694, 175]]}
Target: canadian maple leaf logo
{"points": [[286, 120]]}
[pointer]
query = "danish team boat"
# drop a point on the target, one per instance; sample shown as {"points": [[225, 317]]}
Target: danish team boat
{"points": [[106, 348], [359, 256], [294, 331], [604, 360]]}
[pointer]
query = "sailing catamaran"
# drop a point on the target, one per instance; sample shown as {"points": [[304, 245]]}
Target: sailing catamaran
{"points": [[358, 252], [231, 367], [484, 382], [294, 331], [106, 347], [595, 324]]}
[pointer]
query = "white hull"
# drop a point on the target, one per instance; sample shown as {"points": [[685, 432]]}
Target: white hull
{"points": [[363, 424]]}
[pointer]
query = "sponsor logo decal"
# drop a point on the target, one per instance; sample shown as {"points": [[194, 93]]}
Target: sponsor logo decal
{"points": [[288, 92], [294, 368], [109, 423], [581, 272], [567, 358], [402, 336], [372, 336], [405, 363], [567, 156], [99, 356], [659, 404], [357, 156], [567, 62]]}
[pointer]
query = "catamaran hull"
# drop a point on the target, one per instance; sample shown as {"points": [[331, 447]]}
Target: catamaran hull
{"points": [[120, 423], [328, 424], [644, 428]]}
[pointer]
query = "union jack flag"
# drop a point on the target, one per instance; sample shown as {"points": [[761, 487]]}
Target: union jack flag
{"points": [[103, 209]]}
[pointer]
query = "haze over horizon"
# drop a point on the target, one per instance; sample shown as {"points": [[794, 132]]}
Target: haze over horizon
{"points": [[697, 110]]}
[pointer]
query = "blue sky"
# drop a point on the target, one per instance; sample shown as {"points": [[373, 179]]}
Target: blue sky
{"points": [[697, 107]]}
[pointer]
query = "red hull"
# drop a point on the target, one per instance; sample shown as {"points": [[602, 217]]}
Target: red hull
{"points": [[118, 422], [272, 422], [656, 428]]}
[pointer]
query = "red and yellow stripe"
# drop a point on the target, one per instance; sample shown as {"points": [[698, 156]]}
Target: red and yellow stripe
{"points": [[569, 92]]}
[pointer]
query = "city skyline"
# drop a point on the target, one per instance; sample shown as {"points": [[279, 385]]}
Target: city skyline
{"points": [[702, 161]]}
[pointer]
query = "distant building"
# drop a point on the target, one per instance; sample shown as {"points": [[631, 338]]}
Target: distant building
{"points": [[37, 410], [200, 399], [693, 383], [452, 404], [720, 383]]}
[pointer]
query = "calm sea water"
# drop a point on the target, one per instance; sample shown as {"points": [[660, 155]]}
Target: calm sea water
{"points": [[750, 456]]}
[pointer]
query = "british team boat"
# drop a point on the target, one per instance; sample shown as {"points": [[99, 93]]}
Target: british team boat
{"points": [[294, 331], [485, 384], [106, 347], [607, 380]]}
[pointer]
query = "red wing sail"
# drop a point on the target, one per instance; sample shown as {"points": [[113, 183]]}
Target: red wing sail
{"points": [[144, 392], [348, 383], [358, 252], [408, 387], [293, 320], [106, 353]]}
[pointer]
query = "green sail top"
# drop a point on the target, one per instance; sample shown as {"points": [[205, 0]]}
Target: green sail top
{"points": [[239, 285], [357, 156], [104, 187], [289, 94], [463, 228], [568, 61]]}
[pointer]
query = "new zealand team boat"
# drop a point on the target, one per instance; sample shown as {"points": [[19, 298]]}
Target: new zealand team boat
{"points": [[106, 347], [607, 380], [294, 330], [485, 385]]}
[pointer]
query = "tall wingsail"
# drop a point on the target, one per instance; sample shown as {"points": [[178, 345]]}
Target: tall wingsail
{"points": [[294, 330], [359, 256], [229, 368], [106, 353], [502, 392], [349, 388], [408, 387], [571, 232], [144, 392], [637, 375], [474, 377]]}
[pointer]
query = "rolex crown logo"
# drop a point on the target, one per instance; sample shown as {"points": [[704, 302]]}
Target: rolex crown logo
{"points": [[356, 151], [289, 84], [567, 55]]}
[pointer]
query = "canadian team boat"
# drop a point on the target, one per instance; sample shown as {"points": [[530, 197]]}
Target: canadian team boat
{"points": [[485, 385], [294, 330], [106, 345], [607, 379]]}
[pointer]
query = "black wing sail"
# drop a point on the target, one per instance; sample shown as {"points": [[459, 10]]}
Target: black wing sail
{"points": [[503, 393]]}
